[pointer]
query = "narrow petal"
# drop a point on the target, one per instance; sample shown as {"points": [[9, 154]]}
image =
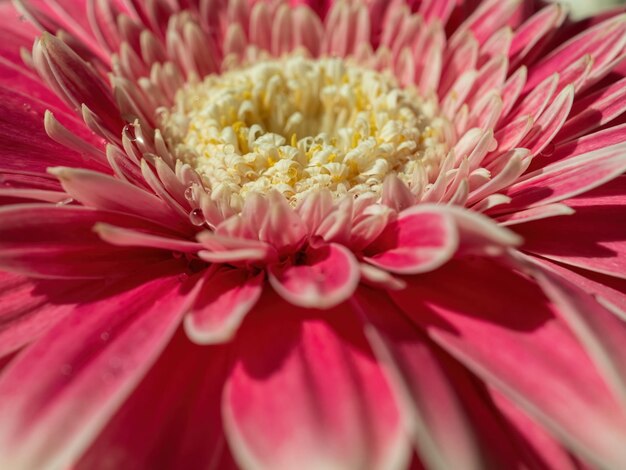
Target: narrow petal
{"points": [[567, 178], [94, 189], [595, 111], [78, 82], [340, 412], [126, 237], [324, 277]]}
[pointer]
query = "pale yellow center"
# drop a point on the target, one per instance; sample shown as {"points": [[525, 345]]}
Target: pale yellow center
{"points": [[296, 124]]}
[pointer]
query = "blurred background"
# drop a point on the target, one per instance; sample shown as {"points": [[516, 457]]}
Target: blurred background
{"points": [[582, 8]]}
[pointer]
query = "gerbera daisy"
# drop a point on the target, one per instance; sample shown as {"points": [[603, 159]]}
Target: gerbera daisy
{"points": [[311, 235]]}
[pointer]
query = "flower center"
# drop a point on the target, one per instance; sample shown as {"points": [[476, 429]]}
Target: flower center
{"points": [[297, 124]]}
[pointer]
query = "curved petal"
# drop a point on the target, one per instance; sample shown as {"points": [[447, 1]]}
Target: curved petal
{"points": [[434, 413], [601, 332], [43, 240], [105, 192], [172, 419], [25, 144], [60, 393], [225, 298], [499, 325], [567, 178], [323, 278], [592, 238], [420, 240], [604, 288], [314, 399], [30, 307]]}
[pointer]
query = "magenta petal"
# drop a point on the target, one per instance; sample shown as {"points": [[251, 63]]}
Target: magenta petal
{"points": [[30, 307], [35, 240], [435, 415], [77, 81], [128, 237], [601, 332], [567, 178], [609, 291], [493, 320], [60, 393], [420, 240], [105, 192], [322, 278], [592, 237], [314, 399], [172, 420], [24, 140], [536, 440], [225, 298]]}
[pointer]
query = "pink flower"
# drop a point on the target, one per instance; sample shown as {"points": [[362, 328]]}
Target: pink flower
{"points": [[319, 235]]}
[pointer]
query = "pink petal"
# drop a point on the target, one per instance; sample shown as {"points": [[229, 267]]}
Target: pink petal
{"points": [[229, 249], [601, 332], [490, 16], [435, 416], [595, 111], [30, 307], [591, 41], [94, 189], [567, 178], [422, 239], [550, 122], [282, 227], [536, 441], [479, 235], [587, 143], [172, 419], [592, 238], [533, 31], [57, 396], [24, 139], [35, 240], [492, 320], [127, 237], [76, 80], [535, 102], [323, 277], [534, 213], [327, 400], [609, 291], [226, 296], [67, 15]]}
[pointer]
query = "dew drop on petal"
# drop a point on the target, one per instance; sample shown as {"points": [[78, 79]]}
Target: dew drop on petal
{"points": [[189, 193], [196, 217], [129, 132]]}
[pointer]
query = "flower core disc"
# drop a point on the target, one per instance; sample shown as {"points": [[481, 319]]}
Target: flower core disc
{"points": [[297, 124]]}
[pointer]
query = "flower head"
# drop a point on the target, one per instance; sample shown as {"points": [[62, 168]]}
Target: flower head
{"points": [[311, 234]]}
